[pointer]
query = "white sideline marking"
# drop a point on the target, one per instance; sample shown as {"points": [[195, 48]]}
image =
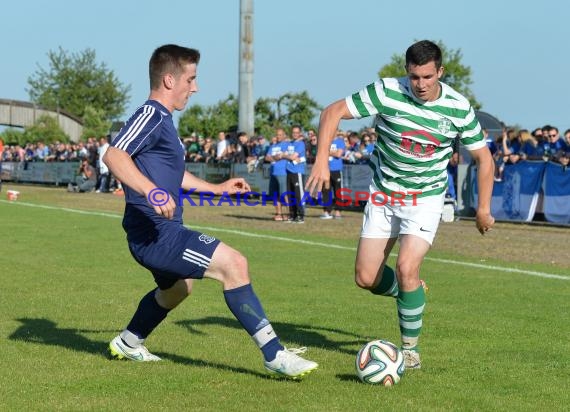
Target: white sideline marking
{"points": [[304, 242]]}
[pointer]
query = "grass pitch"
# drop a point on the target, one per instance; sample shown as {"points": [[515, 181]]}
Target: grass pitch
{"points": [[495, 336]]}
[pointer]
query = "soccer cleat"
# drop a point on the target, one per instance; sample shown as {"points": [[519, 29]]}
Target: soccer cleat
{"points": [[119, 350], [289, 364], [325, 216], [411, 359], [299, 219]]}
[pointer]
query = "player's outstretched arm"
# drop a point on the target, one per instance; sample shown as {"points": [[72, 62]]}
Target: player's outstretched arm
{"points": [[230, 186], [328, 126], [234, 185], [485, 172]]}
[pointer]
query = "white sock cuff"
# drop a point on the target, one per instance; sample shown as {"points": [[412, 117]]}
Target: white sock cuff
{"points": [[131, 339], [264, 335], [409, 342]]}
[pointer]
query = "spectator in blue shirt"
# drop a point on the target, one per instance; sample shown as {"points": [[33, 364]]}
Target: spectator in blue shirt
{"points": [[296, 162], [277, 171], [551, 145]]}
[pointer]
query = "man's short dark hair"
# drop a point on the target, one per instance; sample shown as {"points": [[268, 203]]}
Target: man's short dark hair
{"points": [[170, 58], [423, 52]]}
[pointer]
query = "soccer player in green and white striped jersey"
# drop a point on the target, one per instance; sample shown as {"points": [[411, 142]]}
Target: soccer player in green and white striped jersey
{"points": [[417, 118]]}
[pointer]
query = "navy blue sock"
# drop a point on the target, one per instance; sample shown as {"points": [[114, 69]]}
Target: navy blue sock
{"points": [[247, 309], [147, 316]]}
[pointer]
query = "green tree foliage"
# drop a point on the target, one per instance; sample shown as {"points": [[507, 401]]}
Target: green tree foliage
{"points": [[456, 75], [13, 136], [265, 118], [297, 109], [94, 123], [209, 120], [270, 113], [285, 111], [75, 81], [45, 129]]}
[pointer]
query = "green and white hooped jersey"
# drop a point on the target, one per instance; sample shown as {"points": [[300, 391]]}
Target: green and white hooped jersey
{"points": [[415, 138]]}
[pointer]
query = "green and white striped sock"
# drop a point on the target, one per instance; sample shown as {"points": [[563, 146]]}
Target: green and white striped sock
{"points": [[388, 285], [410, 310]]}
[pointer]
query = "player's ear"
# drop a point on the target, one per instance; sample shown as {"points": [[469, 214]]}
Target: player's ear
{"points": [[168, 80], [440, 72]]}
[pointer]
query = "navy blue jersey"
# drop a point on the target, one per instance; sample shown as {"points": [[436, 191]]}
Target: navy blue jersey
{"points": [[151, 140]]}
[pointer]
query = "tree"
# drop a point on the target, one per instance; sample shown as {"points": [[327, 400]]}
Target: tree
{"points": [[209, 120], [94, 123], [265, 118], [270, 113], [45, 129], [75, 81], [13, 136], [297, 109], [285, 111], [456, 75]]}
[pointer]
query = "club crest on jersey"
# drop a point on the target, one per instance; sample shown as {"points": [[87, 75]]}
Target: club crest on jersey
{"points": [[444, 125], [206, 238]]}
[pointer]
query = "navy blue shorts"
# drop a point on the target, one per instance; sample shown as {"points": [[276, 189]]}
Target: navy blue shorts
{"points": [[277, 185], [174, 254]]}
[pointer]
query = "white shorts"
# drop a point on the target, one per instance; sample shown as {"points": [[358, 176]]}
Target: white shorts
{"points": [[389, 221]]}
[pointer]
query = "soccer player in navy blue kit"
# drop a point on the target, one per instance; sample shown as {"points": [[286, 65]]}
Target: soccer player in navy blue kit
{"points": [[296, 162], [147, 156]]}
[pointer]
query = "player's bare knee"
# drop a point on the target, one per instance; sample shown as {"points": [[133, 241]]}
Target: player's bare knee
{"points": [[240, 268], [408, 276], [235, 271], [364, 279], [406, 270]]}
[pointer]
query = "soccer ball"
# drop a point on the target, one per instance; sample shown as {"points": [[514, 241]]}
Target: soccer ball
{"points": [[380, 362]]}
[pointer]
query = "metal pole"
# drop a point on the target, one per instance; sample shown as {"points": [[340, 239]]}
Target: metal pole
{"points": [[245, 91]]}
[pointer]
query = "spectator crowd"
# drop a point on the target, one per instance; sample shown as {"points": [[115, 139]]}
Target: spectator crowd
{"points": [[543, 143], [226, 148]]}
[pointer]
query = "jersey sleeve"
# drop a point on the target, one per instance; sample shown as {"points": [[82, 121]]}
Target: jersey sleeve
{"points": [[366, 102], [470, 133], [139, 133]]}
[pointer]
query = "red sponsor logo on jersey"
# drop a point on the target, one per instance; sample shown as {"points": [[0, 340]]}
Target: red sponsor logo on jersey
{"points": [[418, 143]]}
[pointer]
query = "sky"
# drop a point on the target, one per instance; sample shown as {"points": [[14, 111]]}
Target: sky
{"points": [[519, 53]]}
